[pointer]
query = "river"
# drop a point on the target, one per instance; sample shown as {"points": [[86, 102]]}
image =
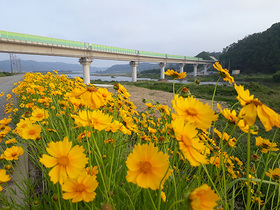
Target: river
{"points": [[128, 79]]}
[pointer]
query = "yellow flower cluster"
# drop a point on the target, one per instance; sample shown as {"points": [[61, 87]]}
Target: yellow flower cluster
{"points": [[91, 143]]}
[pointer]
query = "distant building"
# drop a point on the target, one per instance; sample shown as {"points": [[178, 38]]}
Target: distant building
{"points": [[234, 72]]}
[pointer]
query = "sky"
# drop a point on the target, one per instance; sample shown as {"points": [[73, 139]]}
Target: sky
{"points": [[179, 27]]}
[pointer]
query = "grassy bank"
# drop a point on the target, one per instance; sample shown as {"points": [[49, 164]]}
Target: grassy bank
{"points": [[5, 74], [269, 95]]}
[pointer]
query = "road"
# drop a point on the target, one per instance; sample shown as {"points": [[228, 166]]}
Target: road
{"points": [[7, 85]]}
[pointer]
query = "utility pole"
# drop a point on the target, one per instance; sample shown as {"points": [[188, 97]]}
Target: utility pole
{"points": [[11, 62]]}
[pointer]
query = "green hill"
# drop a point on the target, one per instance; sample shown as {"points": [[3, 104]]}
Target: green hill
{"points": [[259, 52]]}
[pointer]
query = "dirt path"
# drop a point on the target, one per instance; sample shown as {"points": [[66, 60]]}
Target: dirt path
{"points": [[138, 93]]}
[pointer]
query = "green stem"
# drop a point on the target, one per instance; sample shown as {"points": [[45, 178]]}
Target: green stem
{"points": [[248, 169], [206, 171], [215, 92], [175, 203], [59, 195], [152, 199]]}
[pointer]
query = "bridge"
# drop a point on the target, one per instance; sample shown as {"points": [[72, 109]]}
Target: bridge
{"points": [[11, 42]]}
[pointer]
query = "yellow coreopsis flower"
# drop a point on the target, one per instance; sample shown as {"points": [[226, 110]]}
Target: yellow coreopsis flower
{"points": [[31, 131], [121, 89], [189, 143], [223, 73], [275, 174], [90, 97], [11, 141], [3, 177], [245, 128], [80, 188], [230, 115], [22, 124], [92, 171], [5, 121], [96, 119], [13, 153], [265, 145], [64, 160], [203, 198], [175, 74], [252, 107], [147, 166], [194, 111]]}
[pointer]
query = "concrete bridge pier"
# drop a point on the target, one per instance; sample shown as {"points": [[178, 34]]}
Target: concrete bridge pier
{"points": [[134, 65], [195, 70], [85, 61], [162, 66], [181, 65], [205, 67]]}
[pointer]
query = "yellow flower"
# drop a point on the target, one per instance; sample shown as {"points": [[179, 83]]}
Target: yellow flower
{"points": [[189, 143], [64, 160], [91, 170], [245, 128], [39, 114], [163, 196], [5, 121], [275, 174], [193, 111], [3, 177], [11, 141], [31, 131], [84, 134], [22, 124], [13, 153], [175, 74], [121, 89], [147, 166], [203, 198], [115, 126], [96, 119], [80, 188], [265, 145], [90, 97], [223, 73], [105, 94], [252, 107], [152, 130], [228, 114]]}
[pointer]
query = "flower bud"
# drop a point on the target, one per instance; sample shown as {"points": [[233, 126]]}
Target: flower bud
{"points": [[107, 206]]}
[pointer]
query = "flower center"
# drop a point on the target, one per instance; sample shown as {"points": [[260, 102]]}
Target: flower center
{"points": [[79, 187], [14, 154], [64, 161], [40, 115], [32, 132], [91, 89], [145, 167], [265, 146], [191, 111]]}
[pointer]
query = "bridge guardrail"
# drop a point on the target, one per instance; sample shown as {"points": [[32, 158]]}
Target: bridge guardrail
{"points": [[88, 46]]}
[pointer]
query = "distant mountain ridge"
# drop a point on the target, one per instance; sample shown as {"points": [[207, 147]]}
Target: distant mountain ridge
{"points": [[30, 66], [126, 68]]}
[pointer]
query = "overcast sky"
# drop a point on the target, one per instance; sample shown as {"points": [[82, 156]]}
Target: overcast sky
{"points": [[179, 27]]}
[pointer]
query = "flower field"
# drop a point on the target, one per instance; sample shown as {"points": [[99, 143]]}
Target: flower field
{"points": [[93, 150]]}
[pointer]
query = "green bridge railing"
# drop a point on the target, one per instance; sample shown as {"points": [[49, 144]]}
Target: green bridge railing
{"points": [[68, 43]]}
